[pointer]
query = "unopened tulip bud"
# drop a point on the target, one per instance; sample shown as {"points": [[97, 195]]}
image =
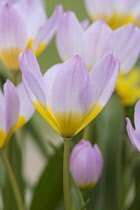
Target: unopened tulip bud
{"points": [[86, 164]]}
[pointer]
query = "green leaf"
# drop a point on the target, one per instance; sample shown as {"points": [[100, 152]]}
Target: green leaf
{"points": [[49, 190], [76, 197], [107, 193]]}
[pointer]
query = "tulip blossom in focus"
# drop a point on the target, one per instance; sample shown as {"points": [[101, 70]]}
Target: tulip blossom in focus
{"points": [[15, 110], [68, 96], [134, 134], [86, 164], [95, 41], [115, 12], [23, 24]]}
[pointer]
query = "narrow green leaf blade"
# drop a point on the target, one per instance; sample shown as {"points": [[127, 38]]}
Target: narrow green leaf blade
{"points": [[49, 190]]}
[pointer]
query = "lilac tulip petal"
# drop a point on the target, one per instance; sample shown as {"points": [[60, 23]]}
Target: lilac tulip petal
{"points": [[104, 76], [69, 35], [126, 47], [28, 90], [71, 95], [127, 7], [137, 115], [12, 28], [32, 75], [33, 13], [11, 105], [50, 76], [26, 107], [72, 87], [133, 135], [35, 92], [48, 29], [98, 8], [13, 36], [96, 42], [1, 98]]}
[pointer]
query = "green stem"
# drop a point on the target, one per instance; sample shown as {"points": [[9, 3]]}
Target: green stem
{"points": [[66, 174], [87, 132], [13, 181]]}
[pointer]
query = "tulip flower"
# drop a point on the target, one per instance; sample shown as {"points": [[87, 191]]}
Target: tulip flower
{"points": [[68, 96], [95, 41], [115, 12], [24, 24], [86, 164], [128, 87], [134, 134], [15, 110]]}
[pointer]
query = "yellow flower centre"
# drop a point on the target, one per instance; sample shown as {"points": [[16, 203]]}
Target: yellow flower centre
{"points": [[39, 49], [117, 19], [9, 57], [67, 124]]}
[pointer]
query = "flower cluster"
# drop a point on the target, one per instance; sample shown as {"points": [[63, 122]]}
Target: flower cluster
{"points": [[96, 59]]}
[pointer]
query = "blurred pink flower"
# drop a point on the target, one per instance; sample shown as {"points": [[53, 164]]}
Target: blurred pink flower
{"points": [[23, 24], [15, 110], [115, 12], [96, 40]]}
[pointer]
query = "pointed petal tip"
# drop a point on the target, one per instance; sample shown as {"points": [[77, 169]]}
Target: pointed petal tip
{"points": [[112, 55], [8, 83], [59, 8], [78, 59], [96, 146], [127, 120], [128, 124]]}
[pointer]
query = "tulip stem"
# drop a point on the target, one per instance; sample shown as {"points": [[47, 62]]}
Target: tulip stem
{"points": [[66, 174], [13, 181]]}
